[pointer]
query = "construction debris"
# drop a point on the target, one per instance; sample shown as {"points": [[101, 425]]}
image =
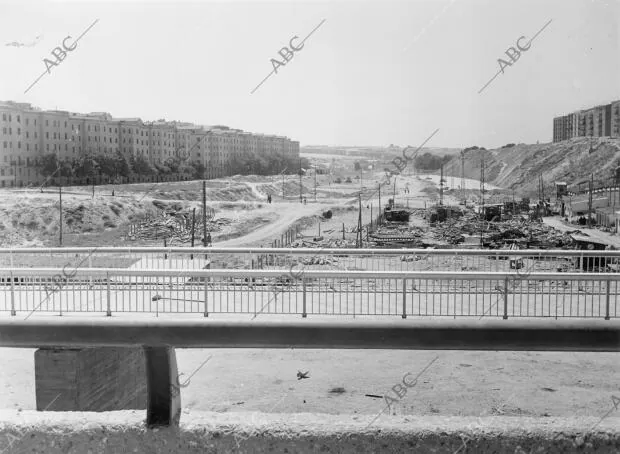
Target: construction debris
{"points": [[174, 227], [396, 215], [447, 228]]}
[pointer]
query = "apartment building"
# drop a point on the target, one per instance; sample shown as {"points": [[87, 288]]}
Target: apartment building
{"points": [[28, 133], [598, 121], [162, 141]]}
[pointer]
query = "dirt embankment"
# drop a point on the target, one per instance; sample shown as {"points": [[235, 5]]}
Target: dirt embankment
{"points": [[32, 218], [519, 166]]}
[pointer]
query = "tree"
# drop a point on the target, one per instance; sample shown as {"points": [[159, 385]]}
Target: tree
{"points": [[122, 166], [199, 170], [48, 165], [357, 165], [186, 170], [106, 165], [142, 166], [84, 166], [66, 168]]}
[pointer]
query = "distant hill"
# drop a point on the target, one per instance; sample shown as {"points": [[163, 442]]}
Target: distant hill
{"points": [[377, 152], [519, 166]]}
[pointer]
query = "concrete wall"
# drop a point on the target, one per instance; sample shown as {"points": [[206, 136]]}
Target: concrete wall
{"points": [[124, 431]]}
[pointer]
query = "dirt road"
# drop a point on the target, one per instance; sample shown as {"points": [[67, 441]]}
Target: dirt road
{"points": [[289, 213]]}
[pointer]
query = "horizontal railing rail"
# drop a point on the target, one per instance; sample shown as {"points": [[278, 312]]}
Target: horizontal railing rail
{"points": [[312, 251], [315, 258], [297, 274], [299, 291]]}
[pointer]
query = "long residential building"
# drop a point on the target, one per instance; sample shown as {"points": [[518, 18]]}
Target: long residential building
{"points": [[598, 121], [28, 133]]}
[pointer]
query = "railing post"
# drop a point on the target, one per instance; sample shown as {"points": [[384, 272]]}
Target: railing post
{"points": [[206, 312], [505, 298], [404, 298], [108, 302], [12, 294], [607, 300], [90, 265], [304, 312]]}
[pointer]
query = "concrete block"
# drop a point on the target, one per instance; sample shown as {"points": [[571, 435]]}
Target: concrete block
{"points": [[90, 379]]}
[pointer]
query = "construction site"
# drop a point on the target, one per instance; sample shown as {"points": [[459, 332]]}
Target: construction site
{"points": [[353, 203], [345, 203]]}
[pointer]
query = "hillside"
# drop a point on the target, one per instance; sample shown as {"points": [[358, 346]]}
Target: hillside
{"points": [[518, 167]]}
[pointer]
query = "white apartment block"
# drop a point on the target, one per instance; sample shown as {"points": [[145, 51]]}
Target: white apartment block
{"points": [[28, 133]]}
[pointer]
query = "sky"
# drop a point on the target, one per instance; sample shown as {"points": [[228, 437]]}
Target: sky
{"points": [[373, 73]]}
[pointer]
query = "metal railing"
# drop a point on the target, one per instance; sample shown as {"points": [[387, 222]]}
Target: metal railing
{"points": [[315, 259], [310, 292]]}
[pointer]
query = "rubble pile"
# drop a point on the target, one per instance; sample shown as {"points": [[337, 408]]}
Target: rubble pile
{"points": [[174, 228], [517, 230], [319, 260], [324, 243]]}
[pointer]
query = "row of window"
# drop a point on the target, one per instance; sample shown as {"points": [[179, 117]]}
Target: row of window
{"points": [[10, 118], [19, 146]]}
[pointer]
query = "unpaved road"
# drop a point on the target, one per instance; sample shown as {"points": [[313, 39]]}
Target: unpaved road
{"points": [[288, 212]]}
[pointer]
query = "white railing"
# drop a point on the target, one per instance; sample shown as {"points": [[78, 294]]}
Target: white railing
{"points": [[314, 258], [305, 292]]}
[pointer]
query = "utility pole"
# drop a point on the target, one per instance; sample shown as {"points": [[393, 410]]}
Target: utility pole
{"points": [[441, 187], [301, 199], [193, 229], [315, 185], [482, 197], [394, 196], [380, 207], [590, 200], [359, 224], [462, 174], [482, 177], [60, 212], [204, 213], [361, 177], [193, 225]]}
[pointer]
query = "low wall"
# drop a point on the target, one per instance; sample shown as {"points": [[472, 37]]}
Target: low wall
{"points": [[124, 431]]}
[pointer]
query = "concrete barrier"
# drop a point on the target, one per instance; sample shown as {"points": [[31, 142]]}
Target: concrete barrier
{"points": [[90, 379], [125, 431]]}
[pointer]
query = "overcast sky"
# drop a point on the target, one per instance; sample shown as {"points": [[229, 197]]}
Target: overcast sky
{"points": [[374, 73]]}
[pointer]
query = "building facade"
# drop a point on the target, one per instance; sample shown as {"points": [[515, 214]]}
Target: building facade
{"points": [[28, 133], [598, 121]]}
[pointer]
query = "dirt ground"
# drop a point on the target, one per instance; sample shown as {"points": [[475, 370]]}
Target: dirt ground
{"points": [[456, 383]]}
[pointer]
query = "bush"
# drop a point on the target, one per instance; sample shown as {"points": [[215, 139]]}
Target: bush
{"points": [[348, 180], [338, 180]]}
